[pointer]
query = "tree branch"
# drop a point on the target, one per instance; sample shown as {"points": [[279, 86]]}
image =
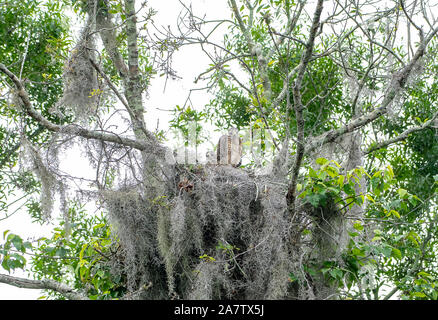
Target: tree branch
{"points": [[119, 95], [254, 49], [133, 87], [416, 266], [73, 129], [397, 83], [106, 29], [46, 284], [298, 106], [404, 135]]}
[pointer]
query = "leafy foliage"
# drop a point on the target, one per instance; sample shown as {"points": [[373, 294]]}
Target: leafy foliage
{"points": [[79, 254]]}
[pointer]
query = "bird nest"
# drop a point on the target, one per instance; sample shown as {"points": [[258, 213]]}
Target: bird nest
{"points": [[222, 234]]}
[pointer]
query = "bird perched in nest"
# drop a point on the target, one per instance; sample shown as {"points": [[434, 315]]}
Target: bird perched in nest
{"points": [[211, 157], [229, 148], [186, 185]]}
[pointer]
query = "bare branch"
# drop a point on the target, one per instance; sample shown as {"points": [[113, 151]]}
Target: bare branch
{"points": [[256, 50], [106, 29], [298, 106], [397, 83], [111, 85], [402, 136], [46, 284]]}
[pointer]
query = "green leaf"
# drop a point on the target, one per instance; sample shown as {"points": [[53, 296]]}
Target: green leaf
{"points": [[377, 231], [413, 236], [312, 173], [61, 252], [341, 181], [413, 201], [396, 253], [358, 252], [359, 200], [358, 226], [10, 237], [27, 245], [394, 213], [332, 171], [81, 253], [18, 243], [321, 161], [5, 263], [348, 189], [419, 294], [390, 171], [377, 174], [336, 164], [402, 192], [424, 275], [336, 273], [387, 251], [370, 198], [314, 199]]}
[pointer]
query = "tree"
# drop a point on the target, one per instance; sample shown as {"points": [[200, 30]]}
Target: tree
{"points": [[346, 200]]}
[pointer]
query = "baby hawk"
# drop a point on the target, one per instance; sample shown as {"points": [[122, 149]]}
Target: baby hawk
{"points": [[211, 157], [229, 148]]}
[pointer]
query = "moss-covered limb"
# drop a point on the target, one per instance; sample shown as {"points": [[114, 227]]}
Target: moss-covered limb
{"points": [[80, 78], [155, 169], [397, 83], [46, 284], [133, 87], [328, 234], [404, 135], [169, 253], [76, 130], [254, 49], [107, 32], [128, 72]]}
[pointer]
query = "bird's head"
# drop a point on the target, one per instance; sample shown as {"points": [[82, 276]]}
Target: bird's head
{"points": [[233, 131]]}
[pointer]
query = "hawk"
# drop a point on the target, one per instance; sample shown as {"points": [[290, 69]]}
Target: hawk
{"points": [[211, 157], [229, 148]]}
